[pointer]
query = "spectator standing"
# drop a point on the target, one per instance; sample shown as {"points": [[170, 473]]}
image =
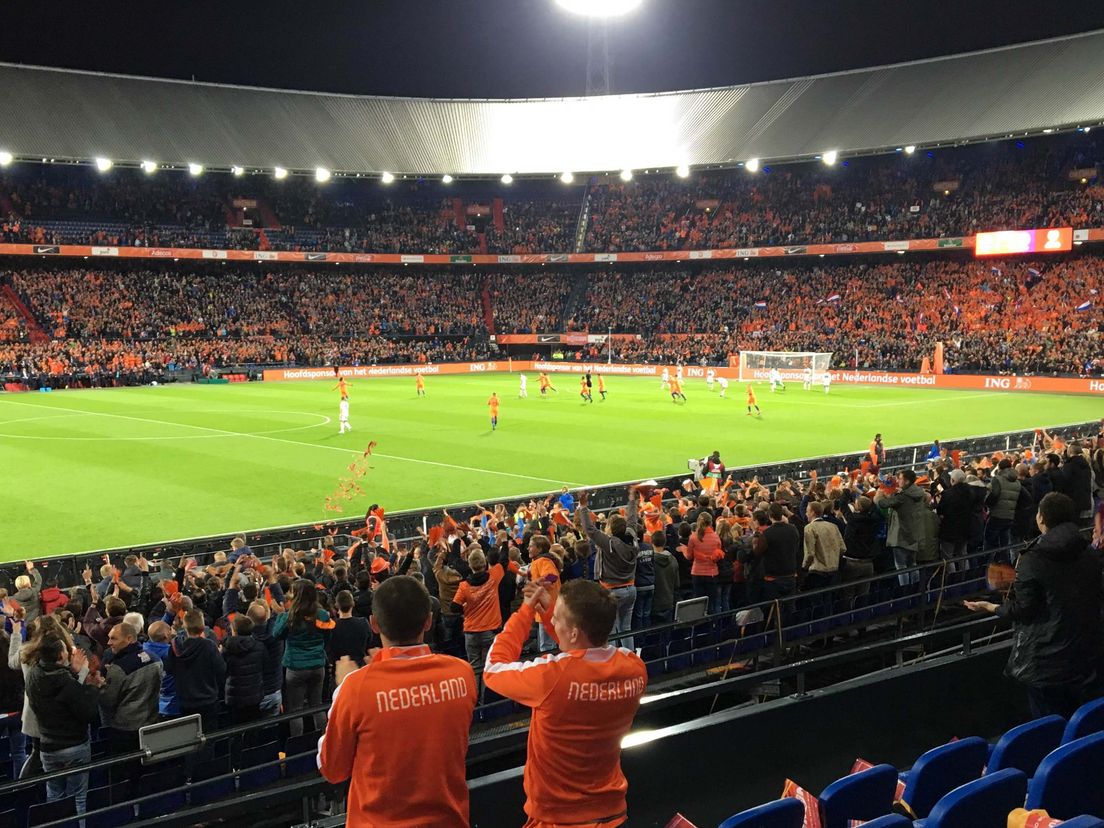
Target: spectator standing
{"points": [[477, 599], [860, 537], [615, 560], [1055, 605], [199, 670], [1004, 493], [27, 592], [371, 707], [160, 638], [955, 509], [906, 523], [546, 569], [131, 692], [666, 580], [245, 658], [824, 547], [273, 678], [704, 551], [351, 635], [65, 698], [778, 548], [306, 628], [1075, 481], [12, 698], [583, 702]]}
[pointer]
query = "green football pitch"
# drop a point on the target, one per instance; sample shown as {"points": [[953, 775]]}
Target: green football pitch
{"points": [[97, 469]]}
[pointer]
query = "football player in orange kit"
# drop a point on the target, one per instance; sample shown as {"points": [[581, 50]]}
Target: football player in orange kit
{"points": [[583, 699], [751, 403]]}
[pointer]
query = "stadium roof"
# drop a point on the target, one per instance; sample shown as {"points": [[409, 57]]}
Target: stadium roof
{"points": [[63, 114]]}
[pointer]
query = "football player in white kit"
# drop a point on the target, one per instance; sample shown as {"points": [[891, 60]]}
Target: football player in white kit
{"points": [[343, 416], [807, 378], [776, 380], [826, 379], [709, 377], [723, 383], [522, 393], [665, 381]]}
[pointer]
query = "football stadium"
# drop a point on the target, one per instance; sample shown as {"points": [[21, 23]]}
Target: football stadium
{"points": [[552, 413]]}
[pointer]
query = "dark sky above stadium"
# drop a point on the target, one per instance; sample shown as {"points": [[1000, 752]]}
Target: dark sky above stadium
{"points": [[512, 48]]}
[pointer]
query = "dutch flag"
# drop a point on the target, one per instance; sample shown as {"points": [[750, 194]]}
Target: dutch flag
{"points": [[996, 271], [835, 297], [760, 304], [1084, 306], [1033, 272]]}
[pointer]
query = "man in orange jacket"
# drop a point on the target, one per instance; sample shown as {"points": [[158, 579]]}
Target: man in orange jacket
{"points": [[583, 699], [385, 713]]}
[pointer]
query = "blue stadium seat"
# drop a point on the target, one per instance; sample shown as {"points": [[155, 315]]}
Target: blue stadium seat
{"points": [[251, 776], [8, 819], [45, 812], [1087, 720], [1070, 780], [163, 803], [864, 795], [889, 821], [940, 771], [1084, 821], [983, 803], [305, 744], [783, 813], [1024, 747]]}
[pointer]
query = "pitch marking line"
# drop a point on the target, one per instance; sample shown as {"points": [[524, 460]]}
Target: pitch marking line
{"points": [[226, 433]]}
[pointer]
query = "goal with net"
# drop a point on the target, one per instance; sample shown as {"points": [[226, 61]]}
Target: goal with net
{"points": [[757, 365]]}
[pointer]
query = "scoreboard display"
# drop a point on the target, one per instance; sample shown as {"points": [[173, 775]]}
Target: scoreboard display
{"points": [[1006, 242]]}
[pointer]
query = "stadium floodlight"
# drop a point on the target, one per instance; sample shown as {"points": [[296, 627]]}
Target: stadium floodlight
{"points": [[321, 175], [5, 158], [567, 177], [149, 167], [279, 173], [599, 8], [387, 178], [752, 165], [910, 149], [830, 157], [237, 171], [104, 164], [682, 170], [626, 175], [446, 179], [507, 179], [195, 169]]}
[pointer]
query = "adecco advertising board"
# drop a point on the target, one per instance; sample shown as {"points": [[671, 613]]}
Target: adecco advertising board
{"points": [[1053, 385]]}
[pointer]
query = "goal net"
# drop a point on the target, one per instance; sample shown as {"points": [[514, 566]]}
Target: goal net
{"points": [[791, 365]]}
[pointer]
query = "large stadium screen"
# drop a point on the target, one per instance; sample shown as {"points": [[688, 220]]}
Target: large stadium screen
{"points": [[1005, 242]]}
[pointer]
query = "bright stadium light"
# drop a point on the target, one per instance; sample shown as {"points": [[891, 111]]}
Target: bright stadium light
{"points": [[626, 175], [567, 177], [104, 164], [387, 178], [149, 167], [682, 171], [910, 149], [752, 165], [446, 179], [507, 179], [237, 171], [830, 157], [279, 173], [321, 175], [599, 8], [5, 158], [195, 169]]}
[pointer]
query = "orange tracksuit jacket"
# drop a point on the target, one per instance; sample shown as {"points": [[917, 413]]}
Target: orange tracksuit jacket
{"points": [[583, 704], [395, 723]]}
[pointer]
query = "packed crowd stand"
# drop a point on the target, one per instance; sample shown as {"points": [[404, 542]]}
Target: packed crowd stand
{"points": [[243, 639], [955, 192], [1019, 316]]}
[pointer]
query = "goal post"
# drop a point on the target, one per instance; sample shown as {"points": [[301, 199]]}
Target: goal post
{"points": [[791, 365]]}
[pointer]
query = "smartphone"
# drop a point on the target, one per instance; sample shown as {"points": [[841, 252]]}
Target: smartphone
{"points": [[549, 579]]}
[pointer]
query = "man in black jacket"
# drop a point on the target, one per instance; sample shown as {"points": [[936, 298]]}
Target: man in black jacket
{"points": [[956, 510], [64, 697], [779, 547], [860, 536], [273, 677], [1055, 605], [199, 670], [1075, 480], [245, 662]]}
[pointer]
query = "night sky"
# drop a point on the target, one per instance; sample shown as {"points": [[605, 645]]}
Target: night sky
{"points": [[511, 48]]}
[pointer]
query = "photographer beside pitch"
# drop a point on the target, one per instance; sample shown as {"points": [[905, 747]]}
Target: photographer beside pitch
{"points": [[583, 699]]}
